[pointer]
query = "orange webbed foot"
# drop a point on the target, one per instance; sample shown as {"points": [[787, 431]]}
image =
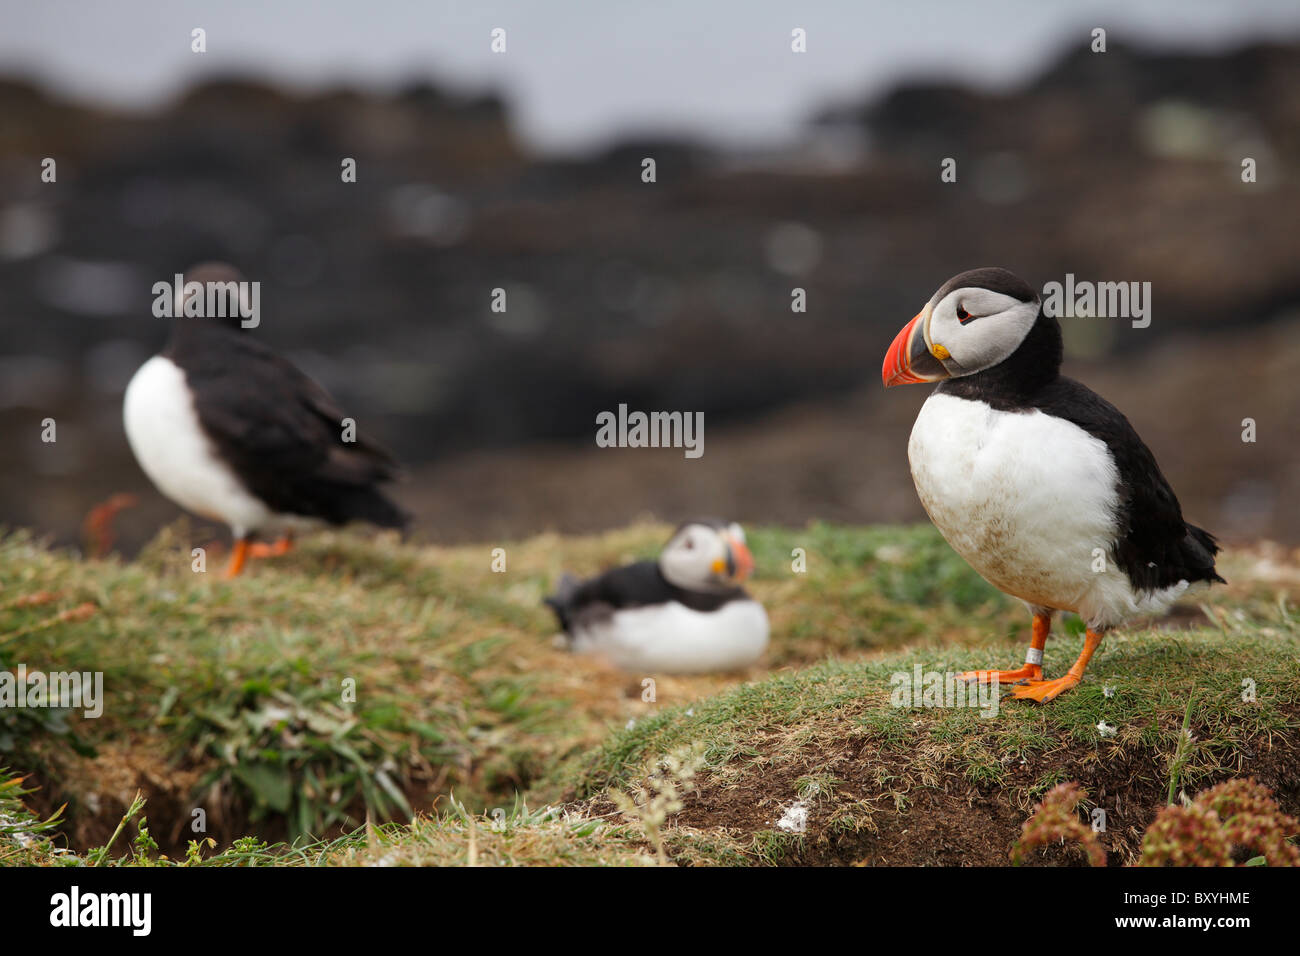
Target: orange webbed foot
{"points": [[1044, 690], [1027, 672], [259, 549], [1031, 670], [245, 549]]}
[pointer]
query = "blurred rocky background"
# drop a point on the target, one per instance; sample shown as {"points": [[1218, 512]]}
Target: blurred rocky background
{"points": [[675, 295]]}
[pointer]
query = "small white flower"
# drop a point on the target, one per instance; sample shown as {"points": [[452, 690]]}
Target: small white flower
{"points": [[1106, 730], [1108, 691]]}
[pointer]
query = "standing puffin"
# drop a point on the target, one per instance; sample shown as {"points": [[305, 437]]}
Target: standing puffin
{"points": [[229, 430], [1039, 483], [682, 614]]}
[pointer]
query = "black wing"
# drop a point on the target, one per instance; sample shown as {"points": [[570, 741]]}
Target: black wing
{"points": [[634, 585], [1155, 547], [283, 434]]}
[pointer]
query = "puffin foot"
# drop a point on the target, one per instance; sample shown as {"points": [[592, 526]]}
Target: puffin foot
{"points": [[238, 555], [1031, 672], [97, 529], [245, 549], [283, 545], [1044, 690]]}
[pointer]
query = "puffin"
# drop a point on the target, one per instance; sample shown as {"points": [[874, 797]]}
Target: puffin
{"points": [[684, 613], [1040, 484], [230, 430]]}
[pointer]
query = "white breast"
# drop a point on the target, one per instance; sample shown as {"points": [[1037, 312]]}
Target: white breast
{"points": [[164, 433], [673, 639], [1030, 501]]}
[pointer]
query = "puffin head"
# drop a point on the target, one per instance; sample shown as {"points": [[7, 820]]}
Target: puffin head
{"points": [[706, 555], [975, 321]]}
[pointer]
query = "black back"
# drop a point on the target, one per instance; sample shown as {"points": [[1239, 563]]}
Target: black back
{"points": [[279, 430], [1155, 547], [634, 585]]}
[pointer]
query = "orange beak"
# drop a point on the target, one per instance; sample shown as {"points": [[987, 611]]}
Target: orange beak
{"points": [[908, 361], [740, 561]]}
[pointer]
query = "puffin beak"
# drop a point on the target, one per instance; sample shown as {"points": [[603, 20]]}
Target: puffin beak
{"points": [[908, 361], [739, 560]]}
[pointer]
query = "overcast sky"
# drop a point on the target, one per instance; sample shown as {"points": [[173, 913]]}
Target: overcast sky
{"points": [[578, 73]]}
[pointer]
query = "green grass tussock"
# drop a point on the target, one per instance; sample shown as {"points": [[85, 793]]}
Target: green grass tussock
{"points": [[372, 702]]}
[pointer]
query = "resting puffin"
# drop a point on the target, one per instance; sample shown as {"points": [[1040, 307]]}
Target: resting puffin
{"points": [[682, 614], [229, 430], [1039, 483]]}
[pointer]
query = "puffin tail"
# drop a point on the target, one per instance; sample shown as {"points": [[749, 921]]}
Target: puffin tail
{"points": [[1198, 551], [371, 505], [559, 601]]}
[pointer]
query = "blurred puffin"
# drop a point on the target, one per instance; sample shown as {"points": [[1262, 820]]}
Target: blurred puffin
{"points": [[1040, 484], [684, 613], [229, 430]]}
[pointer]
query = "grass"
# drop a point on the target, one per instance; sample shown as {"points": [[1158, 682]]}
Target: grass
{"points": [[365, 701], [767, 744]]}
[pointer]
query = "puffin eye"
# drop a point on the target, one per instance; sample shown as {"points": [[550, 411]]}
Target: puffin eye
{"points": [[962, 315], [688, 544]]}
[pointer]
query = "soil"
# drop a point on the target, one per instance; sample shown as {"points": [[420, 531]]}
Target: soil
{"points": [[949, 821]]}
